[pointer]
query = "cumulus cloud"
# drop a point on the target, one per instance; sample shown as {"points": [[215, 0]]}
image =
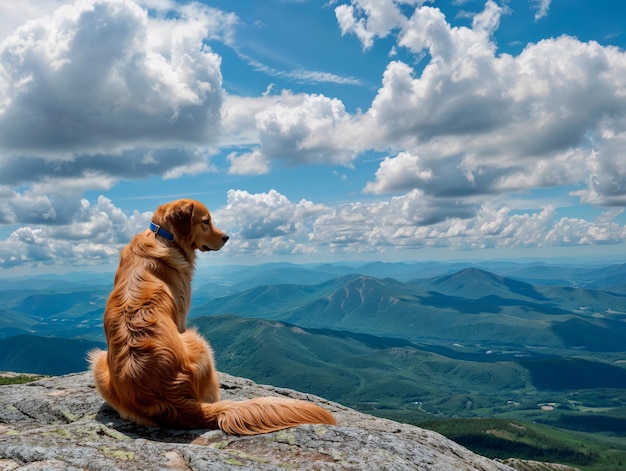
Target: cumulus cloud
{"points": [[300, 134], [15, 14], [270, 224], [264, 222], [77, 171], [289, 129], [266, 214], [487, 123], [98, 91], [250, 163], [369, 19], [606, 176], [399, 173], [95, 77], [93, 236]]}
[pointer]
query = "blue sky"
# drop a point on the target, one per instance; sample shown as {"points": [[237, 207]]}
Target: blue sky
{"points": [[315, 131]]}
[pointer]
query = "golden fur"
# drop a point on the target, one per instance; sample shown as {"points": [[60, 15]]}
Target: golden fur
{"points": [[156, 372]]}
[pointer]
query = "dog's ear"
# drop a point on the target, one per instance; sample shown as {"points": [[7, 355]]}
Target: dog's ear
{"points": [[181, 218]]}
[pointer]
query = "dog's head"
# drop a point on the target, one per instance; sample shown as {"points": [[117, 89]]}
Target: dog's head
{"points": [[190, 223]]}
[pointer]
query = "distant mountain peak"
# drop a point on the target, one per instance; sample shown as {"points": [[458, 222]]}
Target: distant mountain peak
{"points": [[476, 283], [471, 275]]}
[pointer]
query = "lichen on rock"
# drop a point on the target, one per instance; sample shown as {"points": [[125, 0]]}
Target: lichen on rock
{"points": [[62, 423]]}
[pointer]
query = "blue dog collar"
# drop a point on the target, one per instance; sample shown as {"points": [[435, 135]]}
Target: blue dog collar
{"points": [[158, 230]]}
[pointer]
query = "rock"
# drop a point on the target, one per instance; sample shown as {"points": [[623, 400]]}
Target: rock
{"points": [[62, 423], [531, 465]]}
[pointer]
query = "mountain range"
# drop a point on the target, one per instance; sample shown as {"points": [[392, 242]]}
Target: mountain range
{"points": [[471, 308], [466, 308], [412, 342]]}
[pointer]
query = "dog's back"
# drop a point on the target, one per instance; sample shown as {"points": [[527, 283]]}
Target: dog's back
{"points": [[155, 371], [143, 317]]}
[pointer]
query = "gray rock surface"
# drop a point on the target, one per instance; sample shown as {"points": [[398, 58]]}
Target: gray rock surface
{"points": [[61, 423]]}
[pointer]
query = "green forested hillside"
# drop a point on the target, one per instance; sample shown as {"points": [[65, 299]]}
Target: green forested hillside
{"points": [[397, 379], [71, 312], [405, 381], [368, 371], [42, 355], [471, 308], [504, 438]]}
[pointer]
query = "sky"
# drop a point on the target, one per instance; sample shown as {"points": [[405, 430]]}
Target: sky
{"points": [[394, 130]]}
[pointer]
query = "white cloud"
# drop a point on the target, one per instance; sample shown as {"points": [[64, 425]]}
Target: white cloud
{"points": [[250, 163], [15, 14], [96, 91], [399, 173], [95, 78], [269, 224], [266, 223], [291, 129], [371, 19], [258, 223], [606, 168], [239, 116], [300, 134], [94, 236], [99, 85], [542, 7], [105, 223], [484, 123], [255, 216], [368, 19]]}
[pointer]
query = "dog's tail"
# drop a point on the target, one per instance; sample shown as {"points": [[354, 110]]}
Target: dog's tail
{"points": [[263, 415]]}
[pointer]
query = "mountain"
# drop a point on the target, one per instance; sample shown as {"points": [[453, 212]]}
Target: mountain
{"points": [[354, 368], [612, 278], [471, 308], [567, 274], [474, 283], [541, 273], [411, 383], [211, 282], [53, 281], [218, 281], [70, 310], [15, 323], [345, 366], [43, 355]]}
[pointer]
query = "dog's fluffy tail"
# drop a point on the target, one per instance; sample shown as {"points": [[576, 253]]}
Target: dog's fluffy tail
{"points": [[263, 415]]}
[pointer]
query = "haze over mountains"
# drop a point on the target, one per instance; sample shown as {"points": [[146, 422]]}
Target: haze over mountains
{"points": [[468, 308], [526, 306]]}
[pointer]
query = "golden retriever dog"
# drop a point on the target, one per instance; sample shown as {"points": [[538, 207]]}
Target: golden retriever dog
{"points": [[155, 371]]}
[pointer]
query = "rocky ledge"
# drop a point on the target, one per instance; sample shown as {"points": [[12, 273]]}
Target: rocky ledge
{"points": [[62, 423]]}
